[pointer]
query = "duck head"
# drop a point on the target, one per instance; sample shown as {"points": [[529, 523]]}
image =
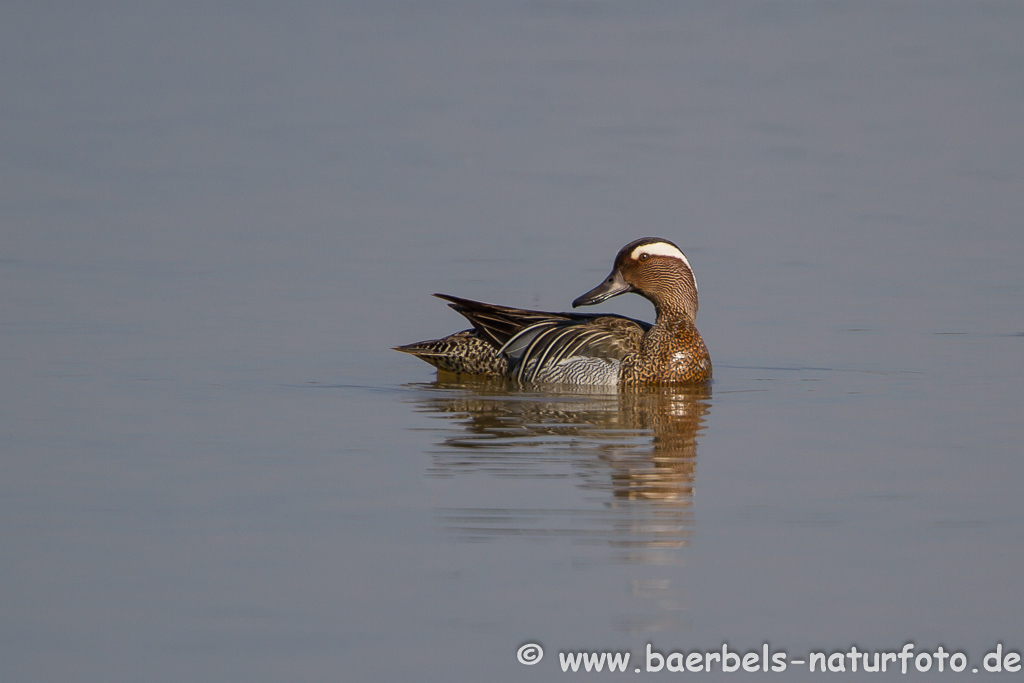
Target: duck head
{"points": [[654, 268]]}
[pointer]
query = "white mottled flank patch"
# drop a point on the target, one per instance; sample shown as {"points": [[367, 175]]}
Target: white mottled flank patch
{"points": [[659, 249], [582, 370]]}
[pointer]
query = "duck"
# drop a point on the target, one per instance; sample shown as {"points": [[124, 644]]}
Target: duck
{"points": [[585, 348]]}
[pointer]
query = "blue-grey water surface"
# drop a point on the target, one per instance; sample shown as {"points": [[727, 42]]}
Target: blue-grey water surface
{"points": [[217, 218]]}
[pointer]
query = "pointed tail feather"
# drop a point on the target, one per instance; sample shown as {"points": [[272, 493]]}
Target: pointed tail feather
{"points": [[462, 353]]}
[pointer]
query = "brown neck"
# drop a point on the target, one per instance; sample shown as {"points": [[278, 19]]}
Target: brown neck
{"points": [[682, 301]]}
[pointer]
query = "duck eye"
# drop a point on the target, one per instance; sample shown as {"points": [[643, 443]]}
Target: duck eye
{"points": [[644, 257]]}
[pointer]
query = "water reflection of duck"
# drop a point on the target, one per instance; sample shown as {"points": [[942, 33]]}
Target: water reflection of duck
{"points": [[571, 348], [640, 446]]}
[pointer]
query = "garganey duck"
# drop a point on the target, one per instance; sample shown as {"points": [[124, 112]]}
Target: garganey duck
{"points": [[587, 349]]}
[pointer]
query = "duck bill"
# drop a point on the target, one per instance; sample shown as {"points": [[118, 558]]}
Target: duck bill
{"points": [[613, 286]]}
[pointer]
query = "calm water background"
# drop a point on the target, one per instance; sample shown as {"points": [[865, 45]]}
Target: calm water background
{"points": [[216, 218]]}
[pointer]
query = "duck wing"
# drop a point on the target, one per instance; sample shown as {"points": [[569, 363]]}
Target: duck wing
{"points": [[536, 341]]}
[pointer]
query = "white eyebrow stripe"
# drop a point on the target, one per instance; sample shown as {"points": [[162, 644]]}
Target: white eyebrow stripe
{"points": [[659, 249]]}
